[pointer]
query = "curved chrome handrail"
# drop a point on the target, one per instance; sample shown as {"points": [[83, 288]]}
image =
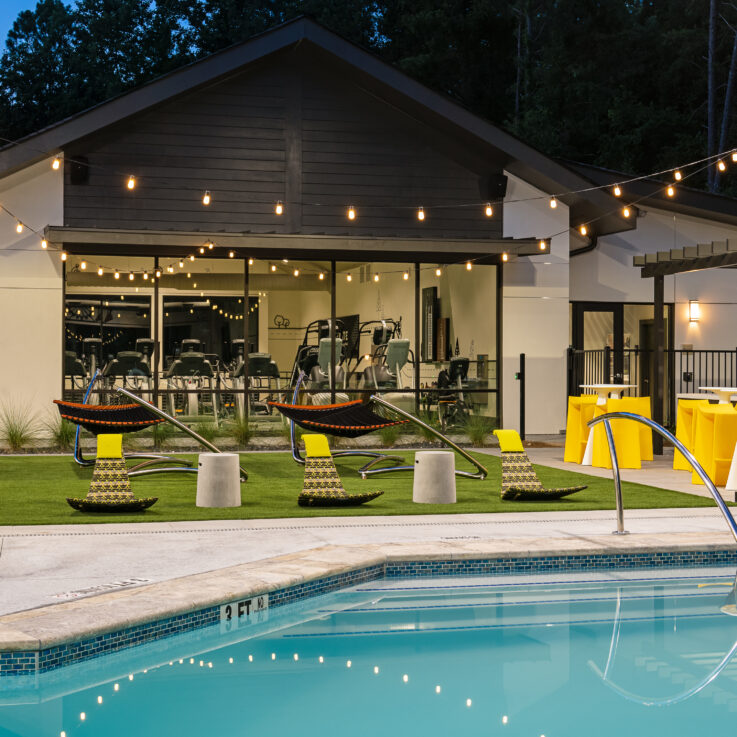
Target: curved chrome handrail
{"points": [[605, 418]]}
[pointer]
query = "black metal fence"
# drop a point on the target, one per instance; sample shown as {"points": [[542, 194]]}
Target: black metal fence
{"points": [[685, 372]]}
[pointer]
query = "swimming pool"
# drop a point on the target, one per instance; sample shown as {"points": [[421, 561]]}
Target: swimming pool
{"points": [[609, 653]]}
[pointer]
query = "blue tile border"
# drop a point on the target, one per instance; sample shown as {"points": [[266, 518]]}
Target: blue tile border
{"points": [[29, 662]]}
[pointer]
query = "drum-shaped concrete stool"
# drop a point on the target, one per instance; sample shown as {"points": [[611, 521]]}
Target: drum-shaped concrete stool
{"points": [[218, 480], [435, 477]]}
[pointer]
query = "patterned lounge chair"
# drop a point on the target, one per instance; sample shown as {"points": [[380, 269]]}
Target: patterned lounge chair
{"points": [[519, 480], [322, 485]]}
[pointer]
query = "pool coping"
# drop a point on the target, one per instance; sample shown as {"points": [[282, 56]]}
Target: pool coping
{"points": [[47, 637]]}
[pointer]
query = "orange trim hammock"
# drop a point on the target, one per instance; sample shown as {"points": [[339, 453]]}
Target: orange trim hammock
{"points": [[101, 418], [347, 420]]}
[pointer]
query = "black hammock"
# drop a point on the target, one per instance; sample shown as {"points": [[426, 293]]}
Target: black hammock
{"points": [[346, 420], [113, 418]]}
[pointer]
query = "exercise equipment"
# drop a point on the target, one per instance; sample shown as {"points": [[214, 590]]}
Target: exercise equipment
{"points": [[191, 378], [263, 374], [307, 353]]}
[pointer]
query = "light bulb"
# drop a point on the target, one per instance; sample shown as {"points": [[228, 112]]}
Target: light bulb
{"points": [[553, 203], [349, 277], [250, 262], [617, 191], [189, 275], [405, 678], [202, 249], [273, 267], [206, 198], [63, 255], [158, 273], [626, 212], [131, 182], [296, 272], [469, 266], [145, 275], [734, 156], [351, 213], [99, 271], [543, 245], [231, 254], [505, 256], [83, 265], [116, 274], [376, 277], [191, 258], [421, 213], [468, 702], [279, 209], [131, 276], [405, 276], [583, 230], [181, 264], [438, 271], [44, 244], [670, 191], [210, 246], [285, 260], [489, 211], [99, 699], [19, 227], [170, 269], [721, 165], [678, 176], [56, 163], [438, 689]]}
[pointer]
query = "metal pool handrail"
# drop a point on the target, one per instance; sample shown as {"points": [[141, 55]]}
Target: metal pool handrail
{"points": [[605, 418]]}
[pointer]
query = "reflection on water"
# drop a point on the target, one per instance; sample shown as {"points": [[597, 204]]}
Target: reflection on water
{"points": [[645, 657]]}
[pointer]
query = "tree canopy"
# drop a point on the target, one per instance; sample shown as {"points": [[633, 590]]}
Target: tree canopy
{"points": [[631, 85]]}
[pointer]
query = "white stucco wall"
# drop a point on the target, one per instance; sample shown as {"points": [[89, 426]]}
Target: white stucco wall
{"points": [[30, 291], [535, 311], [607, 275]]}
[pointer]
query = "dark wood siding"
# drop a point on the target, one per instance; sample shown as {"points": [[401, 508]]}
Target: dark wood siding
{"points": [[292, 129]]}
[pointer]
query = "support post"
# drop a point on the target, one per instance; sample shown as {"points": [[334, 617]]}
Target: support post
{"points": [[246, 335], [332, 332], [64, 322], [418, 399], [157, 346], [522, 395], [659, 374]]}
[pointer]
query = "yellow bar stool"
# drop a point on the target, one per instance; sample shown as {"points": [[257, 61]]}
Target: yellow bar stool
{"points": [[580, 411], [626, 438], [715, 438], [639, 406], [685, 429]]}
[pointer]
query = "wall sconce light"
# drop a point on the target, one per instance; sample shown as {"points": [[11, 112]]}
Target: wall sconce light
{"points": [[694, 311]]}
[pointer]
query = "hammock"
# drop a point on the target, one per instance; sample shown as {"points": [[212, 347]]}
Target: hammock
{"points": [[346, 420], [100, 418]]}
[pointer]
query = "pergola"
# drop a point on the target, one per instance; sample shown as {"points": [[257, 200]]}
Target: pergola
{"points": [[657, 266]]}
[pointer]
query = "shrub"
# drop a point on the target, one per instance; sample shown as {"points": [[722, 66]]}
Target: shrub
{"points": [[389, 435], [241, 430], [18, 427], [161, 433], [478, 428], [207, 430], [61, 432]]}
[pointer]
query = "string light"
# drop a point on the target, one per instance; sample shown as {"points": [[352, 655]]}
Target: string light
{"points": [[721, 165], [170, 269], [376, 277], [279, 209], [231, 254], [100, 272], [349, 277], [202, 249], [553, 203], [206, 198], [421, 213], [438, 271], [210, 246], [626, 212], [158, 273], [191, 258], [321, 276], [116, 275], [351, 213], [469, 266], [678, 176], [181, 264], [583, 230], [405, 276], [273, 267], [617, 191], [670, 191], [250, 262], [489, 211], [296, 272], [145, 275], [56, 163], [543, 244], [131, 276], [83, 265], [734, 156], [19, 227], [505, 257], [44, 244], [63, 255], [131, 182]]}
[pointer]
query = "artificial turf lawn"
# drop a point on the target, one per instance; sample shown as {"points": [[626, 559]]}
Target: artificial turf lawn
{"points": [[33, 491]]}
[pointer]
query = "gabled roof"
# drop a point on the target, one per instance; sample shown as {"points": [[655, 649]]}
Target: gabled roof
{"points": [[491, 144], [688, 201]]}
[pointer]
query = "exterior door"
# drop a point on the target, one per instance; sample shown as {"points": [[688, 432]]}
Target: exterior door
{"points": [[598, 325]]}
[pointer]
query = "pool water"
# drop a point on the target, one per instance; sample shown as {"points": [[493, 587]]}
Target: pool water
{"points": [[561, 656]]}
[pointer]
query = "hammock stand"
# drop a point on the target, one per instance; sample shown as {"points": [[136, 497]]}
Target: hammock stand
{"points": [[353, 419]]}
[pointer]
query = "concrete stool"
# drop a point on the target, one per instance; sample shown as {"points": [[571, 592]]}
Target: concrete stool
{"points": [[435, 478], [218, 480]]}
